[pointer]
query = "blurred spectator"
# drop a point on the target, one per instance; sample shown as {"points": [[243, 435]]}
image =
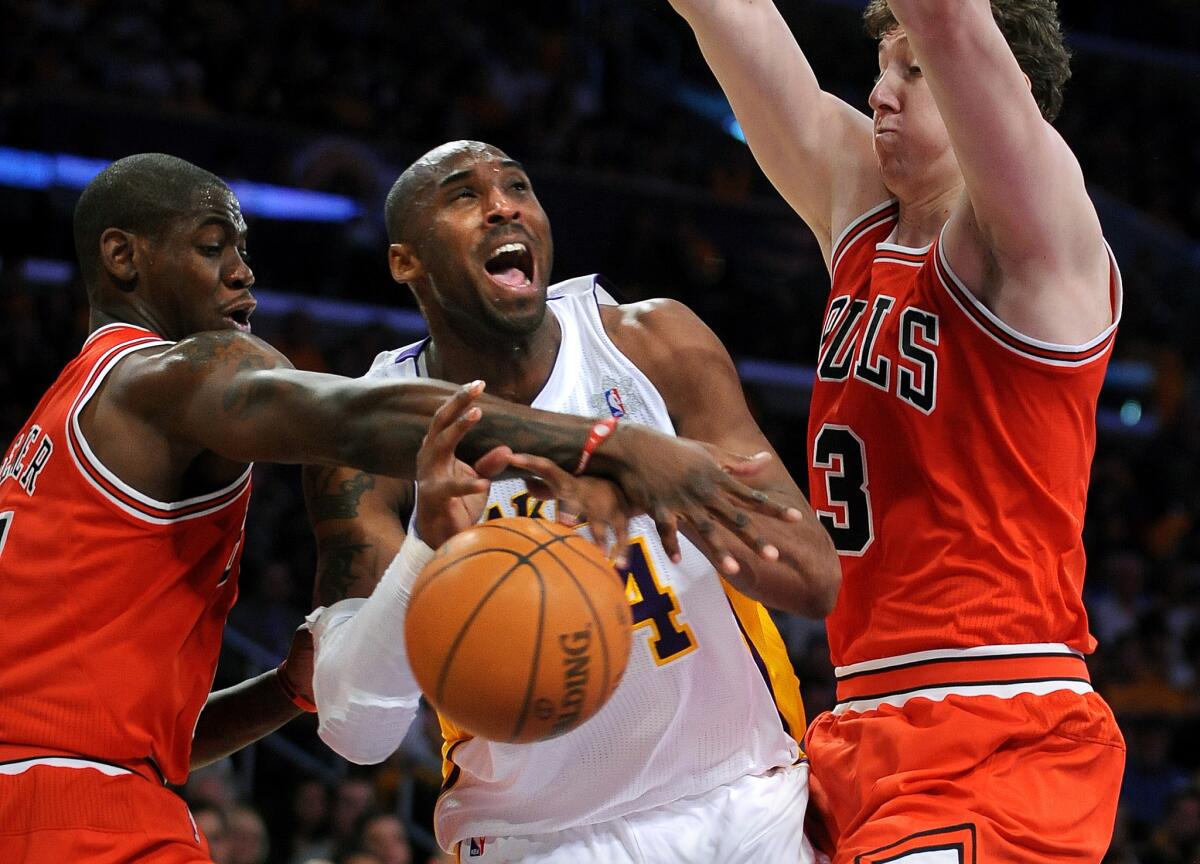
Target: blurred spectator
{"points": [[309, 822], [383, 835], [212, 823], [246, 836]]}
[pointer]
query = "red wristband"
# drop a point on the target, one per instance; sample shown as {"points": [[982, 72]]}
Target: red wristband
{"points": [[600, 433], [300, 701]]}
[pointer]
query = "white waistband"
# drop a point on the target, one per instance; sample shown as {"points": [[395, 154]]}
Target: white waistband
{"points": [[23, 765], [955, 654]]}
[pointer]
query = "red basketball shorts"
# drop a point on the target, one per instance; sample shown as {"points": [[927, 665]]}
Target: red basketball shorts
{"points": [[50, 813], [978, 779]]}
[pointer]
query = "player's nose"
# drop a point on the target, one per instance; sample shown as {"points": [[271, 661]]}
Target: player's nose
{"points": [[883, 96], [240, 276], [501, 208]]}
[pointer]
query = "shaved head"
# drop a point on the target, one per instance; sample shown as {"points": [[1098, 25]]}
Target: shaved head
{"points": [[410, 193], [142, 194]]}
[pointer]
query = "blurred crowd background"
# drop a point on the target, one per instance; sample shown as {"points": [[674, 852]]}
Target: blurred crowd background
{"points": [[637, 161]]}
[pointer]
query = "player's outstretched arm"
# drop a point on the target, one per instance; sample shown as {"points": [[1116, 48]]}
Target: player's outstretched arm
{"points": [[1027, 240], [694, 373], [234, 395], [815, 148]]}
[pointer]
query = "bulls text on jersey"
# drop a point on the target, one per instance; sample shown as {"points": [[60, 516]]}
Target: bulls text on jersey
{"points": [[851, 347]]}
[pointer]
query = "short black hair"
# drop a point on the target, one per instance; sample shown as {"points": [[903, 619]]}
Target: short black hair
{"points": [[142, 194], [401, 198], [408, 192]]}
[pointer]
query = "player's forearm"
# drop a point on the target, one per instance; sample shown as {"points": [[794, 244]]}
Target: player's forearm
{"points": [[384, 426], [364, 688], [240, 715], [925, 19]]}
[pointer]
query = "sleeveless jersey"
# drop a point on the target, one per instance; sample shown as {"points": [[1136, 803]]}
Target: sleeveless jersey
{"points": [[950, 458], [113, 603], [709, 694]]}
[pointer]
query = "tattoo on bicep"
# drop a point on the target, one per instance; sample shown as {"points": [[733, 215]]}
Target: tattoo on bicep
{"points": [[246, 395], [342, 565], [341, 503]]}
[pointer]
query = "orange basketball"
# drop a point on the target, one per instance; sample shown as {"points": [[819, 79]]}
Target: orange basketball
{"points": [[518, 630]]}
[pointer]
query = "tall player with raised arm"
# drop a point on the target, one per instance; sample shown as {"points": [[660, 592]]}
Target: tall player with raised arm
{"points": [[969, 324]]}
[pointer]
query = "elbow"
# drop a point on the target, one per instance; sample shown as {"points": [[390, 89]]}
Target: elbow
{"points": [[827, 579], [822, 578], [826, 585]]}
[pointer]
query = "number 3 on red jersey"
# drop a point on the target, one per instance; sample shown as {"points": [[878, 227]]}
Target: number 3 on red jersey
{"points": [[843, 460]]}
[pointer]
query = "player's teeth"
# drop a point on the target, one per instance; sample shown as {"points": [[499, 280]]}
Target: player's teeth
{"points": [[509, 247]]}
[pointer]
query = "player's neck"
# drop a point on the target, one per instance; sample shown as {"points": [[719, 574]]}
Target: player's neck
{"points": [[923, 215], [515, 369], [100, 317]]}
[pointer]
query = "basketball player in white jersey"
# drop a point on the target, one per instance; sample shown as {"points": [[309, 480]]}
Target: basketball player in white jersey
{"points": [[695, 758]]}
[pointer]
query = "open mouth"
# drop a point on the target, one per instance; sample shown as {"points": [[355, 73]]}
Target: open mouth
{"points": [[511, 265], [240, 317]]}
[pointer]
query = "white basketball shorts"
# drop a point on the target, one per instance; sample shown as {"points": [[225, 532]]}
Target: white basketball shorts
{"points": [[749, 821]]}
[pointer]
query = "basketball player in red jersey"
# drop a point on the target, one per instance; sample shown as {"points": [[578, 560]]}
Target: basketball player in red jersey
{"points": [[970, 321], [123, 500]]}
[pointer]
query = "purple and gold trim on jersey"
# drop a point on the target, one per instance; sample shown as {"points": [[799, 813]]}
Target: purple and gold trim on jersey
{"points": [[770, 655]]}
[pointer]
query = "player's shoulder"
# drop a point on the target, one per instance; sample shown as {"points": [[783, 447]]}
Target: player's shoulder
{"points": [[175, 367], [660, 317]]}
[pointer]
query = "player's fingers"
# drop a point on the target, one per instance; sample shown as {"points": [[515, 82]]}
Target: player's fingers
{"points": [[453, 487], [619, 523], [491, 463], [538, 489], [667, 525], [554, 478], [743, 466], [706, 534], [741, 524], [453, 408], [756, 500]]}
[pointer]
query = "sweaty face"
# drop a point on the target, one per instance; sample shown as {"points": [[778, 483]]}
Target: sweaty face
{"points": [[911, 141], [485, 243], [196, 274]]}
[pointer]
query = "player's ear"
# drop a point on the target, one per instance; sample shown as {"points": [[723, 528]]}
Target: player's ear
{"points": [[117, 257], [406, 267]]}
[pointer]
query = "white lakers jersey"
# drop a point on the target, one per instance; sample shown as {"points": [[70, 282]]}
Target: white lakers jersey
{"points": [[708, 695]]}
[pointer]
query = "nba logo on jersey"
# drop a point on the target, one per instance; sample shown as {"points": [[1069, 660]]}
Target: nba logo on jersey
{"points": [[612, 397], [476, 847]]}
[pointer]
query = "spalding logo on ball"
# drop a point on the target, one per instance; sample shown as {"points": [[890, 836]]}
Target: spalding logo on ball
{"points": [[518, 630]]}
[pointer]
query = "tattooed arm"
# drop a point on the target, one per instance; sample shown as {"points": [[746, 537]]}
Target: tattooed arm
{"points": [[358, 520], [229, 396]]}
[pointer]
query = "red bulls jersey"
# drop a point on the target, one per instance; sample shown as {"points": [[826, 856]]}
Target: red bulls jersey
{"points": [[113, 603], [949, 458]]}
